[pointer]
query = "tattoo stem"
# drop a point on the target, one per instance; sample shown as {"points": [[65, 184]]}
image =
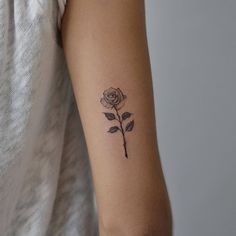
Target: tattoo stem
{"points": [[122, 131]]}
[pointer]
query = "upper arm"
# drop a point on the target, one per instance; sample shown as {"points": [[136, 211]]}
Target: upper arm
{"points": [[105, 46]]}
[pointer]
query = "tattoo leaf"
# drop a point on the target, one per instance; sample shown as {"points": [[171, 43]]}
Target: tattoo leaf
{"points": [[109, 116], [126, 115], [113, 129], [129, 126]]}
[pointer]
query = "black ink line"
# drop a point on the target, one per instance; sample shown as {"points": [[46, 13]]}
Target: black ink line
{"points": [[122, 131]]}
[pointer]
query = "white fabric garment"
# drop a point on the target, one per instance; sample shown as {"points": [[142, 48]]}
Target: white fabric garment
{"points": [[45, 178]]}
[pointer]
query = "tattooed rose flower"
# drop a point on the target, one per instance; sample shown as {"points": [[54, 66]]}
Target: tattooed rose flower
{"points": [[113, 98]]}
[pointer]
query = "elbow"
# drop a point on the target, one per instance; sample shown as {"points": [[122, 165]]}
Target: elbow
{"points": [[156, 230], [158, 226], [151, 218]]}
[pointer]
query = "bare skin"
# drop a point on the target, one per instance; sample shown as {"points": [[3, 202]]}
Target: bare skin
{"points": [[106, 47]]}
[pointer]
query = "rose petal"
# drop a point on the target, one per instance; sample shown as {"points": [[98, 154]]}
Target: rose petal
{"points": [[121, 94], [105, 104], [121, 104], [108, 91]]}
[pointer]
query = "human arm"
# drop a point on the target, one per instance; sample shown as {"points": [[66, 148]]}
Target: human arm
{"points": [[105, 46]]}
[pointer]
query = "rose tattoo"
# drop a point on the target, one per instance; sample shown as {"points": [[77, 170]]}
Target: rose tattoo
{"points": [[115, 99]]}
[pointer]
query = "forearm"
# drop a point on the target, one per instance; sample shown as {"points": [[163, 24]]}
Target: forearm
{"points": [[110, 50]]}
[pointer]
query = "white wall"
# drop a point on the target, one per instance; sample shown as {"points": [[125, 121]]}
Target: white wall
{"points": [[192, 46]]}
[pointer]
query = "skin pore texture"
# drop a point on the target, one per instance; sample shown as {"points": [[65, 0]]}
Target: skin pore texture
{"points": [[106, 50]]}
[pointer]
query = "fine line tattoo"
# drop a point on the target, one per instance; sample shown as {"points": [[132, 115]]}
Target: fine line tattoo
{"points": [[115, 99]]}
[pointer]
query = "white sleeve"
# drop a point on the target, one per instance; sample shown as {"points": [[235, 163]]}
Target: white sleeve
{"points": [[61, 5]]}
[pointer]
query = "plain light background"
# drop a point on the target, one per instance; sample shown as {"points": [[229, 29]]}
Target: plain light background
{"points": [[192, 46]]}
